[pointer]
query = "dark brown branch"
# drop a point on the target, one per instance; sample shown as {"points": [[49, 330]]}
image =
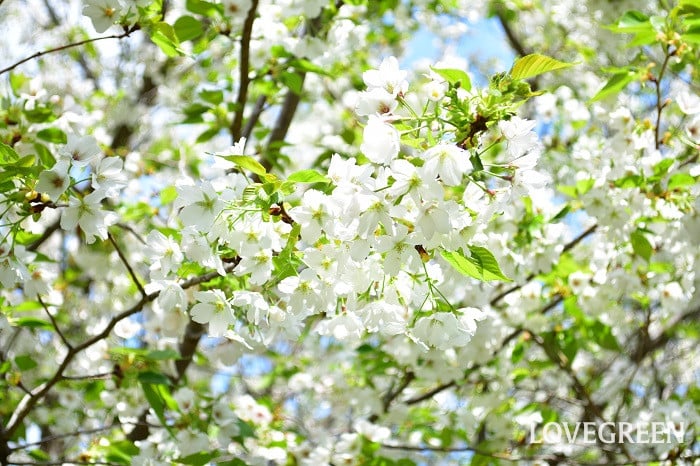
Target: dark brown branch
{"points": [[429, 394], [44, 236], [243, 75], [513, 40], [126, 33]]}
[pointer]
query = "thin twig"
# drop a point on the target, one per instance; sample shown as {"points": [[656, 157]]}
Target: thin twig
{"points": [[126, 33], [567, 247], [134, 278], [44, 236], [54, 323], [27, 403], [126, 227], [659, 104], [101, 375], [254, 117]]}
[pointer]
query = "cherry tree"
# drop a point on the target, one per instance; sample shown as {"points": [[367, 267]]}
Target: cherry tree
{"points": [[253, 232]]}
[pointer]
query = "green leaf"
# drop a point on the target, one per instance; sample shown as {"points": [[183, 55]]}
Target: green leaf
{"points": [[54, 135], [603, 336], [308, 176], [154, 399], [488, 264], [162, 355], [692, 34], [187, 28], [680, 180], [121, 452], [207, 134], [641, 245], [25, 362], [168, 195], [482, 265], [247, 163], [197, 459], [214, 97], [535, 64], [632, 21], [615, 84], [293, 81], [7, 154], [201, 7], [163, 35], [47, 159], [663, 166], [153, 378], [301, 64], [31, 322], [455, 76]]}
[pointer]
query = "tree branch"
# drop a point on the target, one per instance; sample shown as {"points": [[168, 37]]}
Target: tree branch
{"points": [[134, 278], [243, 75], [44, 236], [513, 40], [54, 323], [27, 403], [567, 247], [126, 33]]}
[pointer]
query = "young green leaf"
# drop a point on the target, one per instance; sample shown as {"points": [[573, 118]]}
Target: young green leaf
{"points": [[163, 35], [615, 84], [641, 245], [454, 76], [187, 28], [535, 64], [247, 163], [308, 176], [481, 265]]}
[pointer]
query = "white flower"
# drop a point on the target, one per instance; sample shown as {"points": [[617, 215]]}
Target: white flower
{"points": [[81, 150], [519, 134], [435, 89], [441, 330], [214, 309], [164, 253], [448, 161], [316, 213], [109, 176], [399, 248], [102, 13], [258, 265], [54, 182], [172, 297], [201, 205], [388, 77], [380, 141], [412, 180], [344, 326], [303, 291], [433, 219], [688, 102], [375, 101], [88, 214]]}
